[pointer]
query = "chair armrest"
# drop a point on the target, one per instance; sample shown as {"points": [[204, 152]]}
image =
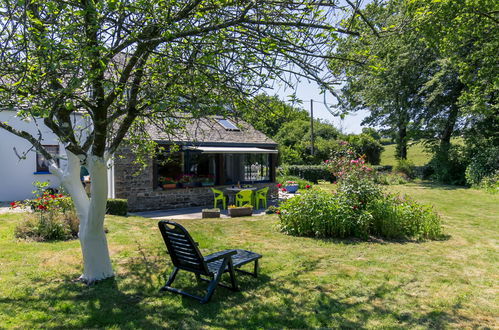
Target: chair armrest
{"points": [[219, 255]]}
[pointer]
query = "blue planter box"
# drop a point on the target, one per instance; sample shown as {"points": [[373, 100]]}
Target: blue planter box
{"points": [[291, 189]]}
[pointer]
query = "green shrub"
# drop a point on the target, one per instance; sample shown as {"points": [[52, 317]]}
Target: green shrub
{"points": [[406, 167], [383, 168], [49, 227], [484, 163], [366, 145], [318, 213], [395, 217], [491, 183], [312, 173], [449, 167], [390, 178], [117, 207]]}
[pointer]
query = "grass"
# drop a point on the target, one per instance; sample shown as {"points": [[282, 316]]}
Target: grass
{"points": [[304, 282], [415, 153]]}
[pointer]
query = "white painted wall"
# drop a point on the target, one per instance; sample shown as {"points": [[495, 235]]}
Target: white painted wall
{"points": [[17, 175]]}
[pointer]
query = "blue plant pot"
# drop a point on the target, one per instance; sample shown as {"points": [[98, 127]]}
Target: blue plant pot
{"points": [[291, 189]]}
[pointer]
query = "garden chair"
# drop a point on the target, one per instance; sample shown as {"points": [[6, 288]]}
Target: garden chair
{"points": [[261, 195], [244, 197], [218, 195], [185, 255]]}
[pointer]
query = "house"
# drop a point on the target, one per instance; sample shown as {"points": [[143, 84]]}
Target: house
{"points": [[20, 165], [210, 151], [215, 150]]}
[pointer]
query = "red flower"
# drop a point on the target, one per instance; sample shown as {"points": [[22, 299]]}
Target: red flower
{"points": [[279, 185], [283, 189], [13, 205], [52, 196], [278, 212], [307, 186], [41, 207], [60, 195]]}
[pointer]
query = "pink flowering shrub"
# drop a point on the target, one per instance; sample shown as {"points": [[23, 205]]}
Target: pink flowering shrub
{"points": [[358, 208]]}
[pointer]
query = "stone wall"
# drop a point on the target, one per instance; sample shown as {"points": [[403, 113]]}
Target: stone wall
{"points": [[143, 194]]}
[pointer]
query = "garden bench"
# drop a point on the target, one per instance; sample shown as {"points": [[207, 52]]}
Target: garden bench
{"points": [[185, 255]]}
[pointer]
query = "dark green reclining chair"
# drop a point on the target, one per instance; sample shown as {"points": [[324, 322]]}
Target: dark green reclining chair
{"points": [[185, 255]]}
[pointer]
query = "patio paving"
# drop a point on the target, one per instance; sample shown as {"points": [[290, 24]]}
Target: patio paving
{"points": [[184, 213]]}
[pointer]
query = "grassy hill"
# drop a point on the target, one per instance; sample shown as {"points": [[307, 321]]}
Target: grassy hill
{"points": [[415, 153]]}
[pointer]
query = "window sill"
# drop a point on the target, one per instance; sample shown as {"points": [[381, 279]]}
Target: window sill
{"points": [[37, 173]]}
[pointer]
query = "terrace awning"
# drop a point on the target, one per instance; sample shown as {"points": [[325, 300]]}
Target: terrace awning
{"points": [[232, 150]]}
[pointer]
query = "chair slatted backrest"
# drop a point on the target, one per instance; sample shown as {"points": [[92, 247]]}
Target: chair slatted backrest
{"points": [[182, 248]]}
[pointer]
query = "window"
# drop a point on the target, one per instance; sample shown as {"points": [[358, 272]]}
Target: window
{"points": [[42, 164], [169, 165], [246, 168], [228, 125]]}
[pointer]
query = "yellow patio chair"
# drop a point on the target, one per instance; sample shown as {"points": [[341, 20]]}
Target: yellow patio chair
{"points": [[261, 195], [244, 197], [218, 195]]}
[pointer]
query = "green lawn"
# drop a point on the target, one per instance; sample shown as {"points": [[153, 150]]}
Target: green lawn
{"points": [[304, 282], [415, 153]]}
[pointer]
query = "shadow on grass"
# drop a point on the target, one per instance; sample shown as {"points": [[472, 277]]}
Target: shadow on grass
{"points": [[434, 185], [132, 300]]}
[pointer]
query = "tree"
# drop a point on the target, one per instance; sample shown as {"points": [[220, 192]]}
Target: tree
{"points": [[389, 69], [268, 113], [294, 141], [122, 63]]}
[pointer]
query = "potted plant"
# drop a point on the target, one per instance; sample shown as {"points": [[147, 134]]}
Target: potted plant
{"points": [[291, 186], [207, 180], [242, 211], [167, 183], [211, 213], [186, 180]]}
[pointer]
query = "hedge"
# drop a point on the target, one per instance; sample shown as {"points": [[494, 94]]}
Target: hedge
{"points": [[312, 173], [117, 206]]}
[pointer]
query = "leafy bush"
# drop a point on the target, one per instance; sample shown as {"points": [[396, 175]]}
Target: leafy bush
{"points": [[358, 208], [365, 145], [390, 178], [383, 168], [52, 216], [491, 183], [449, 167], [117, 207], [484, 163], [406, 167], [395, 217], [55, 226], [318, 213], [312, 173]]}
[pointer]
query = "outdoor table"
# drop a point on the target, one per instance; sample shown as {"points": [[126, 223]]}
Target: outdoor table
{"points": [[232, 191]]}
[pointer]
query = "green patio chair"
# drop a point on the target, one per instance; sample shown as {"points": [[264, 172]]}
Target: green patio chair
{"points": [[261, 195], [218, 195], [244, 197]]}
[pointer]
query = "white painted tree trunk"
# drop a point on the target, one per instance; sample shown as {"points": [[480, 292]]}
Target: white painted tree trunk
{"points": [[91, 212]]}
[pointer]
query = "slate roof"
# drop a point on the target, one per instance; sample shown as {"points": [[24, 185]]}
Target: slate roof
{"points": [[207, 131]]}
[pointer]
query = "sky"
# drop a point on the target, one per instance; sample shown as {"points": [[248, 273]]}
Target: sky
{"points": [[305, 91]]}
